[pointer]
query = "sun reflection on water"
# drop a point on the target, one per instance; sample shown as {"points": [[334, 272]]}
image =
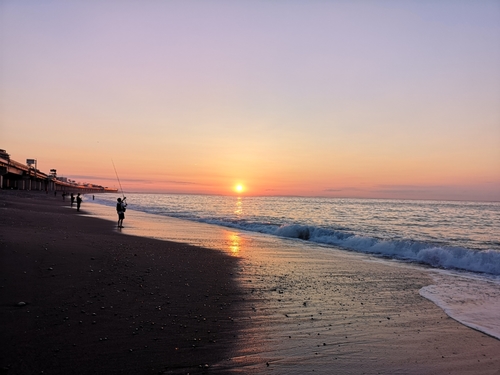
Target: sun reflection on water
{"points": [[239, 207]]}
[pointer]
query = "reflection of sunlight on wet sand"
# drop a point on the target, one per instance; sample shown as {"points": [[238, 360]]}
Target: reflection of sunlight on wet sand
{"points": [[235, 242]]}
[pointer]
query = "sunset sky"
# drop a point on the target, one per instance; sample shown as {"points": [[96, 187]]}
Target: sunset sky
{"points": [[379, 99]]}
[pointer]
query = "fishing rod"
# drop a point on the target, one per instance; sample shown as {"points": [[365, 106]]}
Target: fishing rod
{"points": [[118, 178]]}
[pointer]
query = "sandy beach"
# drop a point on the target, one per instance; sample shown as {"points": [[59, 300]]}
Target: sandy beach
{"points": [[147, 300], [78, 297]]}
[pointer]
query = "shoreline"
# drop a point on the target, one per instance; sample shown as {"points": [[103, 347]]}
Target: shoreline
{"points": [[79, 297]]}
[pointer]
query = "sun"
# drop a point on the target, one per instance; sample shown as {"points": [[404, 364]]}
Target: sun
{"points": [[239, 188]]}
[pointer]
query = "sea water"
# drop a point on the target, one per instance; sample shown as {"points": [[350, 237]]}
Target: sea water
{"points": [[458, 242]]}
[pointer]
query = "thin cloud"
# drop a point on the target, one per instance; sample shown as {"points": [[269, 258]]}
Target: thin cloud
{"points": [[85, 178], [410, 188]]}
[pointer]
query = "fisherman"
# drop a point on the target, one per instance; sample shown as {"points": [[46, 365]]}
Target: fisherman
{"points": [[78, 202], [120, 210]]}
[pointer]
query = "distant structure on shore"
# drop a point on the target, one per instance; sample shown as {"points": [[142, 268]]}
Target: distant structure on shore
{"points": [[19, 176]]}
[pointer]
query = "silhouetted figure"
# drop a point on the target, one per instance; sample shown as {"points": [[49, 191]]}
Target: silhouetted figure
{"points": [[120, 210], [64, 195], [78, 202], [93, 197], [72, 199], [55, 193]]}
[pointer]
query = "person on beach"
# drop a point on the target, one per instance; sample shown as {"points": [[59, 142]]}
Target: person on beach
{"points": [[64, 196], [78, 202], [72, 199], [120, 210]]}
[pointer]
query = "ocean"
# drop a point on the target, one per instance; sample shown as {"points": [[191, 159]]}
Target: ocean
{"points": [[456, 243]]}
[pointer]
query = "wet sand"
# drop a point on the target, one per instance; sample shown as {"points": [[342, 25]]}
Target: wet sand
{"points": [[78, 297], [310, 309], [282, 306], [352, 315]]}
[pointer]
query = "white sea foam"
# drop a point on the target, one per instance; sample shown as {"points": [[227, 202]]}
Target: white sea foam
{"points": [[471, 300]]}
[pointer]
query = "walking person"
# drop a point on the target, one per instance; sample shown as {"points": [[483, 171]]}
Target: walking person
{"points": [[72, 200], [78, 202], [120, 210]]}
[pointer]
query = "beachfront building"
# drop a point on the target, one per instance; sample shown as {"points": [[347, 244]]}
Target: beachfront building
{"points": [[18, 176]]}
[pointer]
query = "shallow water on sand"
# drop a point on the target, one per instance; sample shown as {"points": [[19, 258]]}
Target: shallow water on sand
{"points": [[312, 309]]}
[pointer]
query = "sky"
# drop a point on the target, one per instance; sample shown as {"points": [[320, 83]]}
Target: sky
{"points": [[366, 99]]}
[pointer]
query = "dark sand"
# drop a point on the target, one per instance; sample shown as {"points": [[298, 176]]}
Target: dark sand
{"points": [[101, 302]]}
